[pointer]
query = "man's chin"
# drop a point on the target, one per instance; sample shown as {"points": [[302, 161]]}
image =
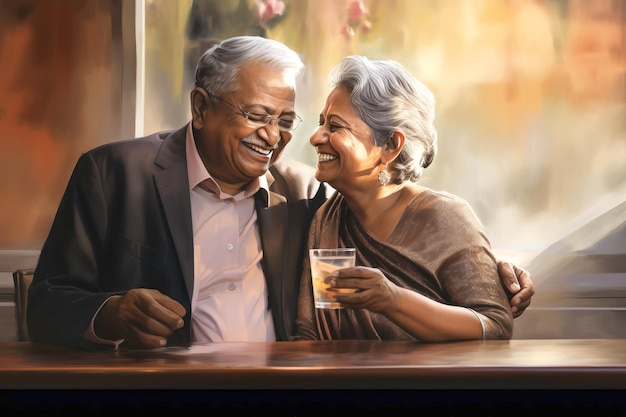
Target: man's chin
{"points": [[256, 170]]}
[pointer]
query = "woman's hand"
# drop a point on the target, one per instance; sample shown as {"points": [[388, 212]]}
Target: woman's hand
{"points": [[373, 291]]}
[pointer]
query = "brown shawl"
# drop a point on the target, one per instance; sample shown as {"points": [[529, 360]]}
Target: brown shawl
{"points": [[438, 249]]}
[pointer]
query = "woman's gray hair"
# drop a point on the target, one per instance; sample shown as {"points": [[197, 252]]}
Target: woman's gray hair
{"points": [[388, 99], [218, 67]]}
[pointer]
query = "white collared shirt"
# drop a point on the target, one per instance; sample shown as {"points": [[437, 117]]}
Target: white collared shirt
{"points": [[230, 298]]}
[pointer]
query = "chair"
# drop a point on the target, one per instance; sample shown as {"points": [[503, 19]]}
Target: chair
{"points": [[21, 280]]}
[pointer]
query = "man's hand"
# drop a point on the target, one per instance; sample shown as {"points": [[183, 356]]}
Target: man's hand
{"points": [[518, 284], [143, 317]]}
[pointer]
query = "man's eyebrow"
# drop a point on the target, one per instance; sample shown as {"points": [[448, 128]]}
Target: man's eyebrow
{"points": [[266, 109]]}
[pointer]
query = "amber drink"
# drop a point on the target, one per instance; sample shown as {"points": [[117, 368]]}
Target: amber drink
{"points": [[323, 262]]}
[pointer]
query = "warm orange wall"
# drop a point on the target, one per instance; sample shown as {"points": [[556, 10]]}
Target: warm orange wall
{"points": [[55, 102]]}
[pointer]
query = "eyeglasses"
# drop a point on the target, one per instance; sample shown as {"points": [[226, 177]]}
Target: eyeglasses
{"points": [[259, 120]]}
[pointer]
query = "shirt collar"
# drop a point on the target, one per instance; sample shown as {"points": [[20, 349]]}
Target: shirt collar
{"points": [[198, 175]]}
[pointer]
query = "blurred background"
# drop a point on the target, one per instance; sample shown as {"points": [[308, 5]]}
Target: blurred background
{"points": [[531, 98]]}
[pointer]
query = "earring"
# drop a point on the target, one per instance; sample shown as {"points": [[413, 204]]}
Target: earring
{"points": [[383, 176]]}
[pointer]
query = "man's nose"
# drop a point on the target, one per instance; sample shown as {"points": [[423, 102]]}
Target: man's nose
{"points": [[272, 132]]}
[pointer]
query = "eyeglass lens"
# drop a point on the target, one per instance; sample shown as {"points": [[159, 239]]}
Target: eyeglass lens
{"points": [[262, 120]]}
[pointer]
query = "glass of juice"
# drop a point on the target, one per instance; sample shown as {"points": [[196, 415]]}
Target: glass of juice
{"points": [[323, 262]]}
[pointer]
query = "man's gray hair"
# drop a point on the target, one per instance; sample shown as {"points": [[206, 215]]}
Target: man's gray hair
{"points": [[218, 67]]}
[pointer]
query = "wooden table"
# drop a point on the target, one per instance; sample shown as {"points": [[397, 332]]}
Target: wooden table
{"points": [[515, 364], [340, 377]]}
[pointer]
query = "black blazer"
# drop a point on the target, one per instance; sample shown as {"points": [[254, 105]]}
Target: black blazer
{"points": [[124, 222]]}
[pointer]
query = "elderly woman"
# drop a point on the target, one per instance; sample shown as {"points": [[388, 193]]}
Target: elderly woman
{"points": [[425, 269]]}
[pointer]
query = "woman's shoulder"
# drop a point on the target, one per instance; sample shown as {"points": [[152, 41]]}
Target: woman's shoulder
{"points": [[443, 204], [429, 196]]}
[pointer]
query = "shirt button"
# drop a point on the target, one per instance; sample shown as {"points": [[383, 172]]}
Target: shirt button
{"points": [[229, 247], [232, 286]]}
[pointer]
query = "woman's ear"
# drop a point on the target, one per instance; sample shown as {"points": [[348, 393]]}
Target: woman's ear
{"points": [[200, 102], [393, 147]]}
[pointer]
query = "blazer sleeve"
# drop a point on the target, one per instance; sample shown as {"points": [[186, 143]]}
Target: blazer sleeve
{"points": [[64, 294]]}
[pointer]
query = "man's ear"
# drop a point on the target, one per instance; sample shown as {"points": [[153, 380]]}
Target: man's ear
{"points": [[200, 102], [393, 147]]}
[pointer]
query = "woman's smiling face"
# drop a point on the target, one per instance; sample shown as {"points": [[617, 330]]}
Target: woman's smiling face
{"points": [[345, 147]]}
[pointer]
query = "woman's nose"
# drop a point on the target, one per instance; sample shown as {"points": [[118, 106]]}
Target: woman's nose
{"points": [[318, 137]]}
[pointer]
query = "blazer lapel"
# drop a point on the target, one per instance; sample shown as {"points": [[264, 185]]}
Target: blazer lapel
{"points": [[171, 180], [283, 227], [272, 222]]}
